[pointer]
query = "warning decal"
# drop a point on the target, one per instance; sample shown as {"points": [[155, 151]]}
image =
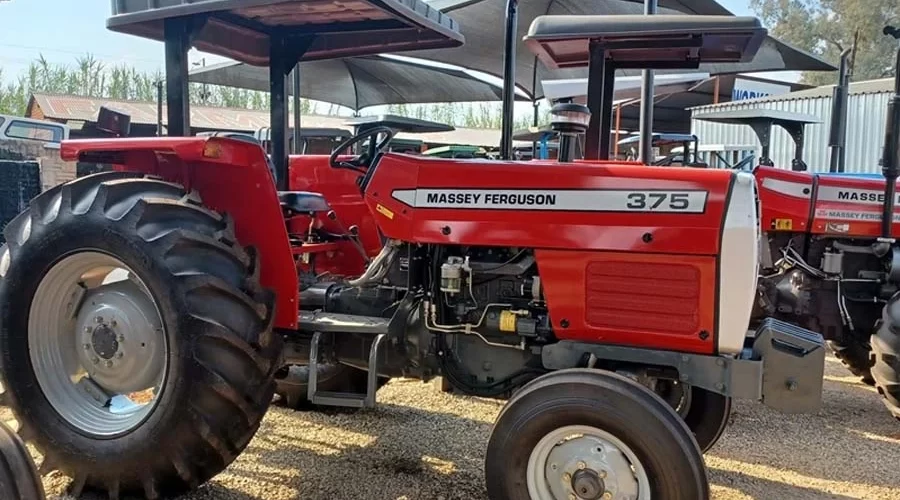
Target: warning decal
{"points": [[580, 200]]}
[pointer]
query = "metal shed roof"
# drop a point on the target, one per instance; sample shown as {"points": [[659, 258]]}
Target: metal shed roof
{"points": [[244, 29], [882, 85], [66, 108]]}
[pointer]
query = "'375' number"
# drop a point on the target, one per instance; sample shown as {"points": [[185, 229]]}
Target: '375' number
{"points": [[658, 201]]}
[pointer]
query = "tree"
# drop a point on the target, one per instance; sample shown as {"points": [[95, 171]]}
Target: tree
{"points": [[89, 77], [826, 27]]}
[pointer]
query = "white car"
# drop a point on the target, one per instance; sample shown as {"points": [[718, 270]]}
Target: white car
{"points": [[29, 129]]}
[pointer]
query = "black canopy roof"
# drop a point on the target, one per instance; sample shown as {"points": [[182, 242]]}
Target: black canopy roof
{"points": [[645, 41], [243, 29]]}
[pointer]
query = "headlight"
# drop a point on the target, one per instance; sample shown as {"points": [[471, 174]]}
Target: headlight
{"points": [[738, 263]]}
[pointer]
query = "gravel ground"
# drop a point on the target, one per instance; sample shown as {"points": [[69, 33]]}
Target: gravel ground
{"points": [[423, 444]]}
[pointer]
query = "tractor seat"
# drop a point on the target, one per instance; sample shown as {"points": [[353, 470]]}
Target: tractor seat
{"points": [[303, 201]]}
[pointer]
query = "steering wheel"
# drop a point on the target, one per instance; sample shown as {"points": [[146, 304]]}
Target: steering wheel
{"points": [[362, 161]]}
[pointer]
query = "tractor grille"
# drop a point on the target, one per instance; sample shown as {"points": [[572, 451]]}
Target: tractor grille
{"points": [[648, 297]]}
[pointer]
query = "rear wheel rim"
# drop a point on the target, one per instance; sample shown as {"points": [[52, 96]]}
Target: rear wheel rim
{"points": [[97, 345], [585, 462]]}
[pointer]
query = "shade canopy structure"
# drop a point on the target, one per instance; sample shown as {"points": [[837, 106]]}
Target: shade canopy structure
{"points": [[674, 95], [479, 21], [627, 87], [360, 82]]}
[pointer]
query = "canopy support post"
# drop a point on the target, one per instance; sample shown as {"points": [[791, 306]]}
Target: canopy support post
{"points": [[509, 79], [595, 95], [177, 39], [295, 102], [284, 55], [646, 142], [278, 117]]}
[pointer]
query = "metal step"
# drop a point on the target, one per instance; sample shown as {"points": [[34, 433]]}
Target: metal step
{"points": [[345, 399]]}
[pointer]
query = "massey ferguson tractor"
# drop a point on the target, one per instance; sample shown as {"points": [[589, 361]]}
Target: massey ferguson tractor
{"points": [[829, 260], [144, 311]]}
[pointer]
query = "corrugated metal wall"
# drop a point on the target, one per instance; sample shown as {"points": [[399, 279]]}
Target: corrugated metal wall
{"points": [[865, 131]]}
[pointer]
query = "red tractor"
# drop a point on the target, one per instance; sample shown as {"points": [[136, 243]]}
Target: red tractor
{"points": [[144, 311], [829, 261]]}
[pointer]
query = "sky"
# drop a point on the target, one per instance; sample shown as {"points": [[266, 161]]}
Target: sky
{"points": [[62, 30]]}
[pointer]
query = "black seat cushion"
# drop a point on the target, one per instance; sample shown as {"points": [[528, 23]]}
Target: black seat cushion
{"points": [[303, 201]]}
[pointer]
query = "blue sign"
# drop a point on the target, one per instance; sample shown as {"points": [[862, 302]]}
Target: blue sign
{"points": [[741, 94]]}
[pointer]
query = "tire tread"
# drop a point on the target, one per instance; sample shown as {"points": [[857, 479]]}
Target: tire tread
{"points": [[163, 218]]}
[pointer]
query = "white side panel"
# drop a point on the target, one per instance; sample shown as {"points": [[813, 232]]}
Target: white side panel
{"points": [[788, 188], [738, 265]]}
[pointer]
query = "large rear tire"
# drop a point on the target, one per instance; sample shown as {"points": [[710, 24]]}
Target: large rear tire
{"points": [[582, 433], [886, 355], [856, 357], [190, 321], [706, 413]]}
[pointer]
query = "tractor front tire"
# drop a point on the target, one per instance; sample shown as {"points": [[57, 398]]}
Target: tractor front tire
{"points": [[583, 433], [886, 355], [186, 316], [19, 478]]}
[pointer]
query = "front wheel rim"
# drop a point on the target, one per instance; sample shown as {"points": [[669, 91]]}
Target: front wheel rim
{"points": [[97, 344], [587, 463]]}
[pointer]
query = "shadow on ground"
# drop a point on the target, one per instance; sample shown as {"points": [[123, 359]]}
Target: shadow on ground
{"points": [[423, 444]]}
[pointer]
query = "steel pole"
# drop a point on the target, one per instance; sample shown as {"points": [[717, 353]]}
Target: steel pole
{"points": [[509, 79], [159, 107], [534, 123], [646, 124]]}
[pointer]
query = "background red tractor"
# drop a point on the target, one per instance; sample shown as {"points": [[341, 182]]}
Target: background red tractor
{"points": [[143, 311], [830, 262]]}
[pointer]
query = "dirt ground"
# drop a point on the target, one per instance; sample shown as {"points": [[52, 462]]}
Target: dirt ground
{"points": [[423, 444]]}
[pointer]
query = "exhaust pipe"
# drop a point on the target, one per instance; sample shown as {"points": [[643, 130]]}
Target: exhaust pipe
{"points": [[890, 160], [838, 131]]}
